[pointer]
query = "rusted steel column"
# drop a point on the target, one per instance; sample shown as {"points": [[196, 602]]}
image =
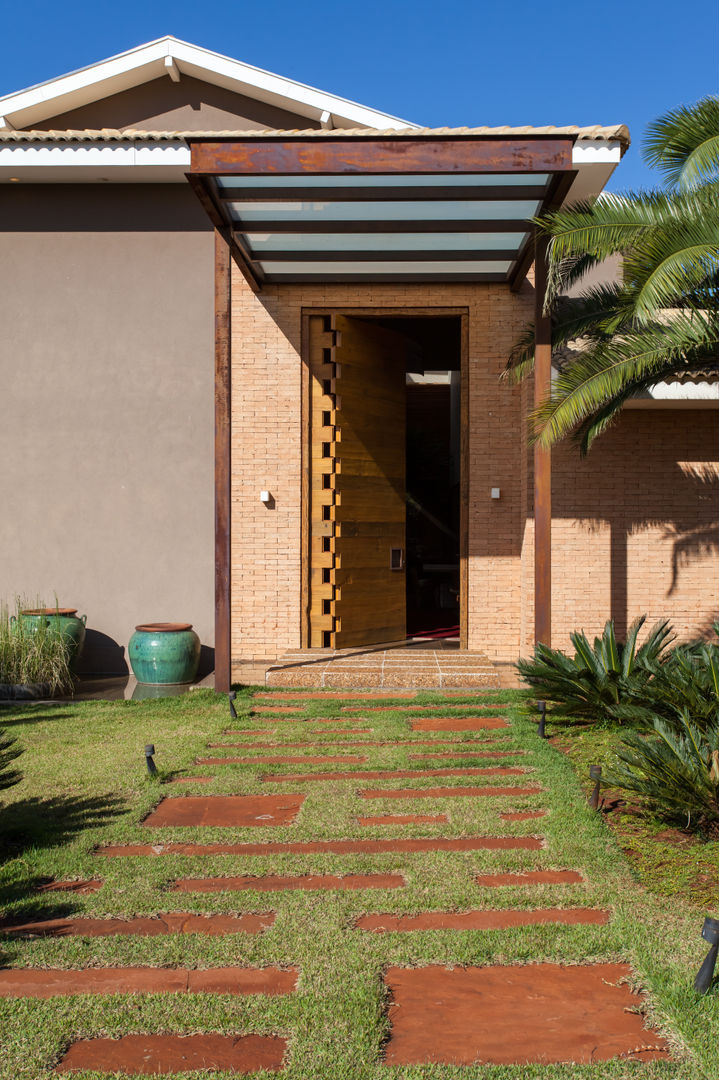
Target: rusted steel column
{"points": [[222, 462], [542, 459]]}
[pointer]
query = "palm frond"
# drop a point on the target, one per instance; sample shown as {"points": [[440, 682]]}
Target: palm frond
{"points": [[684, 143]]}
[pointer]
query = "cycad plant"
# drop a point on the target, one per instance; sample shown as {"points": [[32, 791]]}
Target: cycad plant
{"points": [[676, 769], [661, 320], [598, 677], [686, 680]]}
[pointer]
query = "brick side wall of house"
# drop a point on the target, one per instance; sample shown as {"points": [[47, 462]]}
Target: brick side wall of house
{"points": [[636, 524], [645, 490]]}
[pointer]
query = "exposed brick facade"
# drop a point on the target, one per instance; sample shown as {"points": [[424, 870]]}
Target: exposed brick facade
{"points": [[652, 480]]}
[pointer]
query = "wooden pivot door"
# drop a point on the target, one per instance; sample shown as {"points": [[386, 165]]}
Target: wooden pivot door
{"points": [[357, 593]]}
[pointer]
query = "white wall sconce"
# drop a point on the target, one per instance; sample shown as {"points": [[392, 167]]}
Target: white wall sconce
{"points": [[495, 493], [265, 497]]}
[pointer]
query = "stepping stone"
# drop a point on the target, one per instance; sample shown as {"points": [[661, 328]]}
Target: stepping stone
{"points": [[481, 920], [305, 882], [357, 742], [403, 819], [91, 885], [335, 696], [49, 982], [522, 815], [531, 877], [175, 923], [332, 847], [153, 1055], [458, 723], [226, 810], [448, 792], [468, 753], [516, 1015], [286, 759], [244, 731], [267, 710], [421, 708], [390, 774]]}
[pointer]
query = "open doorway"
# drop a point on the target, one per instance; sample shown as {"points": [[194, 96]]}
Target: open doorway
{"points": [[432, 469], [384, 484]]}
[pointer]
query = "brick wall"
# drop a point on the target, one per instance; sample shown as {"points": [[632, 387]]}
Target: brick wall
{"points": [[633, 499]]}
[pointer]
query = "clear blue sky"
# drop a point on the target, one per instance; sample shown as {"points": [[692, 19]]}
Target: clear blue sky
{"points": [[437, 62]]}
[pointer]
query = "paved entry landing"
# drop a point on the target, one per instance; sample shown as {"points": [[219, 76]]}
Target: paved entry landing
{"points": [[428, 665]]}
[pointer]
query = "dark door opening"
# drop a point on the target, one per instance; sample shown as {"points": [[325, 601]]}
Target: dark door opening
{"points": [[433, 482]]}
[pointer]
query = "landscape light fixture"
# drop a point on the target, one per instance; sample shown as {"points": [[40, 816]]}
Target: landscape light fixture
{"points": [[542, 706], [595, 773], [231, 698], [149, 752], [705, 975]]}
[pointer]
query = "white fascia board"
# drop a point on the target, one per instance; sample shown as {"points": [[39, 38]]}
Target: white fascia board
{"points": [[82, 87], [65, 162], [594, 160], [147, 62]]}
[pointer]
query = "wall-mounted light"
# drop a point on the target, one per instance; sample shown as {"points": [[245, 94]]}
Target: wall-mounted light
{"points": [[265, 496], [495, 493]]}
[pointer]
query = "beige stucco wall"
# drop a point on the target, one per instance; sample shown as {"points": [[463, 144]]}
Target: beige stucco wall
{"points": [[106, 439]]}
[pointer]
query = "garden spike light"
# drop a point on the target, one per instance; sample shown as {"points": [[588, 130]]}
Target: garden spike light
{"points": [[149, 752], [231, 698], [542, 706], [705, 975], [595, 772]]}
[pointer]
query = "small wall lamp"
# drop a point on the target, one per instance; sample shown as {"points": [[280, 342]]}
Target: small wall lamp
{"points": [[495, 493]]}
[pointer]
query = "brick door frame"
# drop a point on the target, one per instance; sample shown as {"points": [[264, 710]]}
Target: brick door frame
{"points": [[380, 312]]}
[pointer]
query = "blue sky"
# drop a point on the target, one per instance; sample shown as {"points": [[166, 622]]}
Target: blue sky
{"points": [[437, 62]]}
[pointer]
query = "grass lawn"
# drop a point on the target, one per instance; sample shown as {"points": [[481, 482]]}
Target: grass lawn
{"points": [[85, 784]]}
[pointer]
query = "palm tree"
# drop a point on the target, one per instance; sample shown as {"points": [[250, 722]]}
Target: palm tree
{"points": [[662, 319]]}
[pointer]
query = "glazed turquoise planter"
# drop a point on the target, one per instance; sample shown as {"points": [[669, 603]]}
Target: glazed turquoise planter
{"points": [[164, 653], [64, 621]]}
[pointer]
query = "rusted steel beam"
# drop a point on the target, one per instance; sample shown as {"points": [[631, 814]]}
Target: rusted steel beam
{"points": [[542, 458], [389, 155], [222, 462], [558, 190]]}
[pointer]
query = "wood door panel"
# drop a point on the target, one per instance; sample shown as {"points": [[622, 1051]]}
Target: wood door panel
{"points": [[357, 482]]}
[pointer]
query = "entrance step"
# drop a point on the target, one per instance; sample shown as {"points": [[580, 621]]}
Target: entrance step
{"points": [[420, 665]]}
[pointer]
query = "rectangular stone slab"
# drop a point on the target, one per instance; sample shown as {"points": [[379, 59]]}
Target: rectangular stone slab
{"points": [[458, 723], [522, 815], [480, 920], [465, 746], [90, 885], [391, 774], [332, 847], [361, 695], [226, 810], [277, 883], [422, 708], [531, 877], [153, 1055], [402, 819], [56, 982], [447, 792], [515, 1015], [141, 926], [285, 759], [468, 753]]}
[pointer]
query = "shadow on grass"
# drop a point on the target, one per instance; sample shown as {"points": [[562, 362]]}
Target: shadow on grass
{"points": [[43, 823], [34, 715]]}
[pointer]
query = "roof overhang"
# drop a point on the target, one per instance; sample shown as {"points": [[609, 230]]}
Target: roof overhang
{"points": [[173, 58], [384, 206]]}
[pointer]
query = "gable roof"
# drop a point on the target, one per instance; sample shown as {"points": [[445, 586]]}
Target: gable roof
{"points": [[172, 57]]}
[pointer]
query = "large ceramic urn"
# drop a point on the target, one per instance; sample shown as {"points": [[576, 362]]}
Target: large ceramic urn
{"points": [[164, 653]]}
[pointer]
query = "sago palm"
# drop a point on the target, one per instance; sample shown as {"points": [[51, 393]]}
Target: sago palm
{"points": [[662, 319]]}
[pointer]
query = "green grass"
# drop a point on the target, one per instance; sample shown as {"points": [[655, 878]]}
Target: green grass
{"points": [[85, 784]]}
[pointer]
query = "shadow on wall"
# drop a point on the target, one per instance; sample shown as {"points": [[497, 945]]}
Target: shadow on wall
{"points": [[638, 478]]}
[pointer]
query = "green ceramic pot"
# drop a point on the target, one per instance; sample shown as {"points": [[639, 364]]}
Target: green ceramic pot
{"points": [[65, 621], [163, 653]]}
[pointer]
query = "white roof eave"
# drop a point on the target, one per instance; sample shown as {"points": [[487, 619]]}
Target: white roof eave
{"points": [[136, 66]]}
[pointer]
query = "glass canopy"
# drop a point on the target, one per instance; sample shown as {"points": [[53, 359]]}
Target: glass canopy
{"points": [[384, 209]]}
